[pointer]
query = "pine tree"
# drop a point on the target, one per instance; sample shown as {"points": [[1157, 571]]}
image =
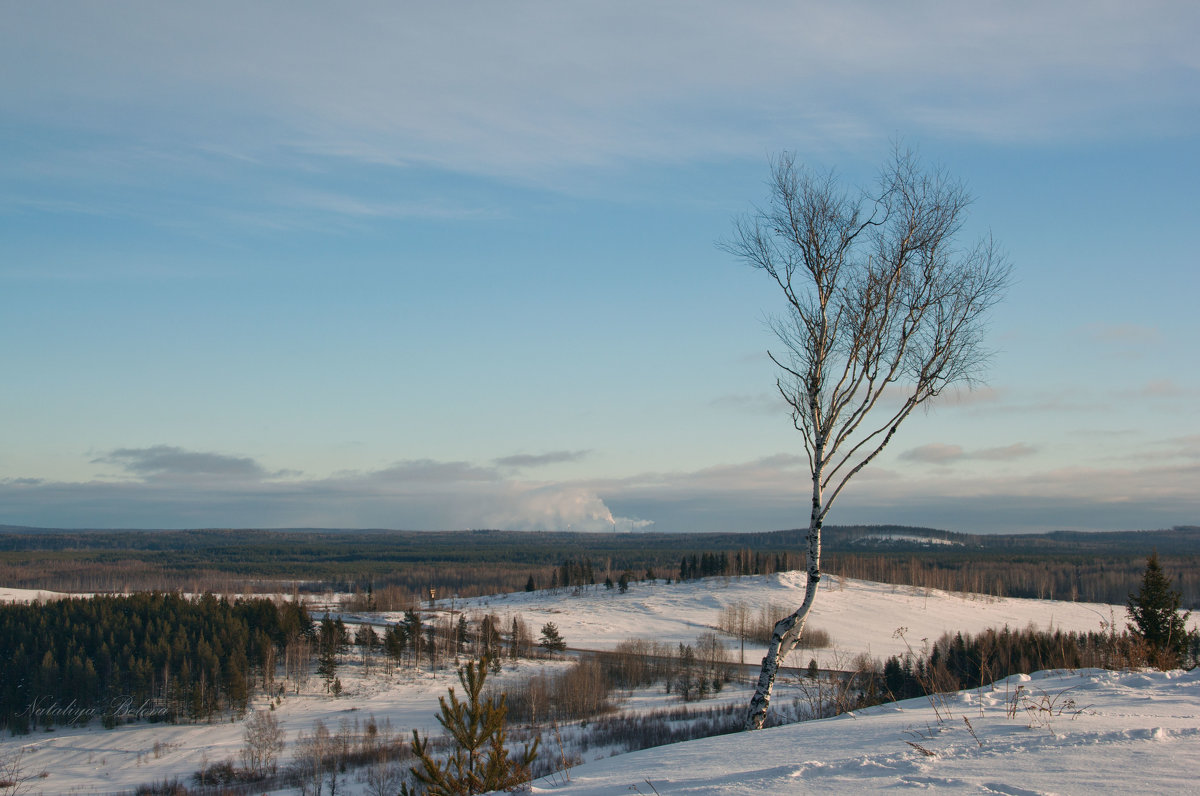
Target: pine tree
{"points": [[1154, 609], [479, 762]]}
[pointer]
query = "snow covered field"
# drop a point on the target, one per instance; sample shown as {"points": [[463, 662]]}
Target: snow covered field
{"points": [[1134, 732], [28, 595]]}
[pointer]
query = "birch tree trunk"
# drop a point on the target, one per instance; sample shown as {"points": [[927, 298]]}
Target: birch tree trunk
{"points": [[786, 634]]}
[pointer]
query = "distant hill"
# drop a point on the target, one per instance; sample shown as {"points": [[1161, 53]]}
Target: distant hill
{"points": [[1179, 540]]}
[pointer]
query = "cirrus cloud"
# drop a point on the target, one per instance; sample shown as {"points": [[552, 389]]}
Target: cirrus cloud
{"points": [[940, 453]]}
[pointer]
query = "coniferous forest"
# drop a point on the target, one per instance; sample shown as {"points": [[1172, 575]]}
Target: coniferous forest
{"points": [[147, 656]]}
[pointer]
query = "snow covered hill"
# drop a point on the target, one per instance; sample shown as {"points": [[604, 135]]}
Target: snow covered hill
{"points": [[860, 616], [1086, 732]]}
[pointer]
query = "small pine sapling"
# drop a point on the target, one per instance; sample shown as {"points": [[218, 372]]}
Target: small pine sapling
{"points": [[478, 761]]}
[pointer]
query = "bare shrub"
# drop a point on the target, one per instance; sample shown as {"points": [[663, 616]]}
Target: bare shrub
{"points": [[13, 779], [580, 692], [849, 685], [315, 758], [637, 662], [630, 732], [384, 777]]}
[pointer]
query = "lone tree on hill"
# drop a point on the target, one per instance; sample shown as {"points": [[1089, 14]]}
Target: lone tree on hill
{"points": [[884, 311], [1154, 609]]}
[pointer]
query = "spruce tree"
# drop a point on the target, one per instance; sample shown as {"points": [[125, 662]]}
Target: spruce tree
{"points": [[327, 650], [1154, 609], [551, 640]]}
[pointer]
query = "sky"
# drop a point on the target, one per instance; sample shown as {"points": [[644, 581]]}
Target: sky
{"points": [[440, 266]]}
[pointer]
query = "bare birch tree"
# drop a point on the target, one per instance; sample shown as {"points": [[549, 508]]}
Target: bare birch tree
{"points": [[885, 310], [263, 739]]}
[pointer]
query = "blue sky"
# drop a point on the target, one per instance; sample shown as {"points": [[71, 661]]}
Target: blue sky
{"points": [[453, 266]]}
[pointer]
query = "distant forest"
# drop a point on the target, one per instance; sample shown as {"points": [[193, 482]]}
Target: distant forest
{"points": [[400, 568]]}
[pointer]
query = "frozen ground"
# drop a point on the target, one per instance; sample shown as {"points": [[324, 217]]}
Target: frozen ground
{"points": [[1137, 732], [1085, 732]]}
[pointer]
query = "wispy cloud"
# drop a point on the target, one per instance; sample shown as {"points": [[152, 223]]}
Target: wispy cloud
{"points": [[1065, 401], [940, 453], [524, 460], [1126, 340], [437, 208], [1186, 447], [170, 462], [600, 83], [934, 453], [425, 471], [962, 398], [1159, 388]]}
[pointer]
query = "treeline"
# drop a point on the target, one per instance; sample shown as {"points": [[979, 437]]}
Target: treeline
{"points": [[966, 661], [1100, 580], [146, 656], [394, 587], [738, 562]]}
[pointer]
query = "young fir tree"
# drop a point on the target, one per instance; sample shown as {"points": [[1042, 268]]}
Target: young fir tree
{"points": [[1154, 609], [478, 762]]}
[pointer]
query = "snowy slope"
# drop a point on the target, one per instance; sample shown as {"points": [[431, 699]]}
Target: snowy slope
{"points": [[861, 616], [1124, 732]]}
